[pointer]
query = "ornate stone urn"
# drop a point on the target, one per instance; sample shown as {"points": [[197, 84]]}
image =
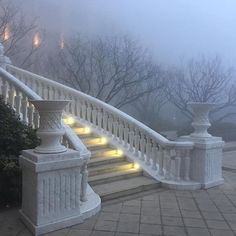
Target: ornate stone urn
{"points": [[201, 119], [50, 128]]}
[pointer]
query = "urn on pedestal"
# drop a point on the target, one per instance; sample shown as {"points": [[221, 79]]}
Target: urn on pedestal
{"points": [[50, 129]]}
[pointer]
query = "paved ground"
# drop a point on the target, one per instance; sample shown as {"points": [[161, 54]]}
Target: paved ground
{"points": [[164, 212]]}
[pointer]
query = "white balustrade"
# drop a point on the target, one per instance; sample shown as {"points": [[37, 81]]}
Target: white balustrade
{"points": [[154, 151]]}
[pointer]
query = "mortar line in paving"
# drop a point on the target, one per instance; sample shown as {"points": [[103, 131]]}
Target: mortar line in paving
{"points": [[185, 228], [162, 227], [203, 218], [220, 212]]}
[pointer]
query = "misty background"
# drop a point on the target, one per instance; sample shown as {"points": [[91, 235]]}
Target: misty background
{"points": [[171, 29]]}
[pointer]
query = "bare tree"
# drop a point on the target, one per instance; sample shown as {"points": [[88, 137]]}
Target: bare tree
{"points": [[203, 80], [16, 33], [114, 69]]}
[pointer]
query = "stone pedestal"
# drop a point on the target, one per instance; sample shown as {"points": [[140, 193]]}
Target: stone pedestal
{"points": [[51, 190], [206, 160]]}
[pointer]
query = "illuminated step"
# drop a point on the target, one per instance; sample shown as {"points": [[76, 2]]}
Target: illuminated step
{"points": [[105, 160], [101, 169], [82, 130], [106, 152], [114, 176], [126, 187]]}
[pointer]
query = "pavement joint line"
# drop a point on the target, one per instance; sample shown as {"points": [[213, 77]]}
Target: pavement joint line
{"points": [[228, 169], [226, 221], [185, 228]]}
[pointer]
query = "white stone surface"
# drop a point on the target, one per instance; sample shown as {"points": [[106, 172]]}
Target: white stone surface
{"points": [[51, 190], [50, 129]]}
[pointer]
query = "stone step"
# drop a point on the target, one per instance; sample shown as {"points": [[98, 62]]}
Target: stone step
{"points": [[101, 152], [114, 176], [114, 167], [121, 188], [105, 160], [229, 147]]}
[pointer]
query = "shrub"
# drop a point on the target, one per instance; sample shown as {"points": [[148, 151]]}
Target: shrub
{"points": [[15, 136]]}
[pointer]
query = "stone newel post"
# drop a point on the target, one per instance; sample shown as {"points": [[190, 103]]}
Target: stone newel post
{"points": [[206, 157], [51, 176]]}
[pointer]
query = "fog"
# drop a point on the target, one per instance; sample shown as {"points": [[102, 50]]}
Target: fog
{"points": [[170, 29]]}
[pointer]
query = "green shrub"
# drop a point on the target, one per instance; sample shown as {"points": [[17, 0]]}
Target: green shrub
{"points": [[14, 137]]}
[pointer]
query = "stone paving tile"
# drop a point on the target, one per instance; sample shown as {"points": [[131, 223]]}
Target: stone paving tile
{"points": [[174, 231], [125, 234], [232, 224], [105, 225], [24, 232], [190, 222], [62, 232], [102, 233], [212, 215], [219, 232], [130, 209], [198, 232], [171, 212], [108, 216], [150, 229], [112, 208], [87, 225], [128, 227], [129, 218], [216, 224], [132, 203], [191, 214], [167, 220], [229, 216], [150, 211], [79, 232], [150, 219]]}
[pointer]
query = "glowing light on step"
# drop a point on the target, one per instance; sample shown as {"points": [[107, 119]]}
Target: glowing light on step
{"points": [[87, 130], [119, 152], [136, 166], [103, 140], [69, 120]]}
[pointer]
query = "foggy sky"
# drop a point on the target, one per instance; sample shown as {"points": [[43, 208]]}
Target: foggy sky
{"points": [[170, 29]]}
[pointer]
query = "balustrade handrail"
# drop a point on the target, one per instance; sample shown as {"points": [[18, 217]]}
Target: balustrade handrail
{"points": [[69, 133], [108, 108]]}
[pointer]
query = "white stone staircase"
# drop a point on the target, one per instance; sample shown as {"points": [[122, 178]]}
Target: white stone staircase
{"points": [[111, 175]]}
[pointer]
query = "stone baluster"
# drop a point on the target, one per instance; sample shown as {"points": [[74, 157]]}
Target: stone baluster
{"points": [[154, 156], [100, 114], [126, 136], [177, 164], [78, 109], [148, 151], [121, 133], [31, 115], [115, 129], [37, 89], [94, 116], [168, 163], [137, 144], [187, 165], [36, 119], [84, 108], [4, 88], [18, 102], [84, 182], [110, 123], [161, 162], [43, 91], [105, 122], [131, 141], [11, 95], [53, 93], [24, 108], [89, 113], [142, 147]]}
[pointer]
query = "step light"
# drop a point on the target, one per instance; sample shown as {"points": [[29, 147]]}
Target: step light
{"points": [[136, 166], [69, 120]]}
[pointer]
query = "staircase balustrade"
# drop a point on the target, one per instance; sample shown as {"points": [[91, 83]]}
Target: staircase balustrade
{"points": [[170, 160], [17, 93]]}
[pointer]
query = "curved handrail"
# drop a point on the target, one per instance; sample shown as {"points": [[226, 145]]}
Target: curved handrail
{"points": [[70, 135], [108, 108]]}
